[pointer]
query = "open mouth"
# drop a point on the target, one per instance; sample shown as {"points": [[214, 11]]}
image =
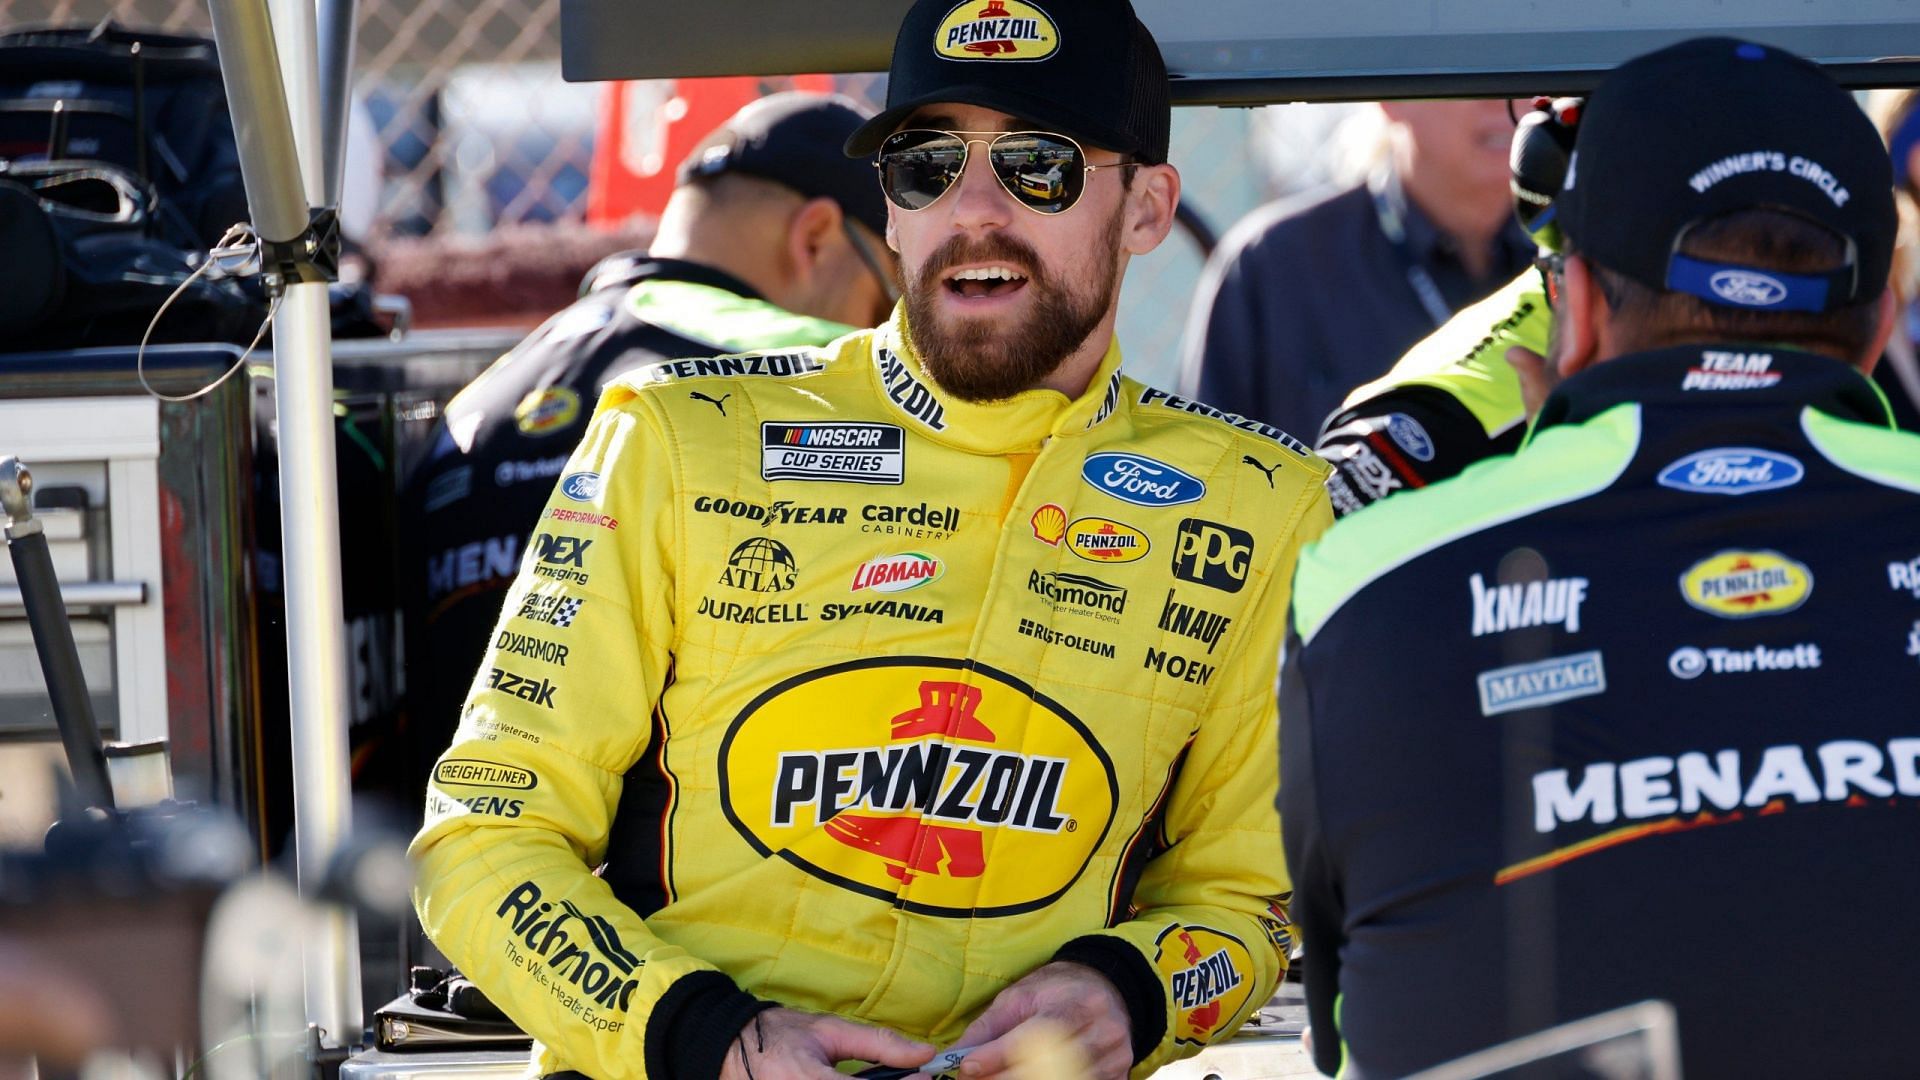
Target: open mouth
{"points": [[975, 282]]}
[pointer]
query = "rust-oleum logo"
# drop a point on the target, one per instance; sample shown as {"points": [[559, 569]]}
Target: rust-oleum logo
{"points": [[996, 30], [905, 778]]}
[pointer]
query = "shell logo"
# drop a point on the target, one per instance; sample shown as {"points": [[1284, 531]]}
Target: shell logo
{"points": [[1049, 524], [1208, 977], [543, 412], [1744, 584], [996, 30], [1104, 540], [909, 779]]}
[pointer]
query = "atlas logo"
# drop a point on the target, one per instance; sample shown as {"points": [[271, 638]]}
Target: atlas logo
{"points": [[760, 564], [886, 776], [1732, 470], [582, 950], [1211, 554], [1141, 481], [1511, 606], [996, 30], [1206, 981], [537, 691], [1746, 584]]}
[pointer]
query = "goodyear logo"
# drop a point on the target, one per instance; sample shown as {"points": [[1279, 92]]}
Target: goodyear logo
{"points": [[996, 30], [1104, 540], [1744, 584], [1209, 979], [904, 778], [544, 412]]}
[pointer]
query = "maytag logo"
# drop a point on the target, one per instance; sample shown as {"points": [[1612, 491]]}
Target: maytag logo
{"points": [[1544, 682], [1732, 470], [581, 486], [848, 452], [1141, 481], [897, 573]]}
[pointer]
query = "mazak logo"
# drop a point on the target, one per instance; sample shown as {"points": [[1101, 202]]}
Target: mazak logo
{"points": [[537, 691], [580, 950], [760, 564], [902, 778], [1905, 575], [1205, 972], [1731, 371], [561, 557], [1745, 584], [544, 412], [581, 486], [909, 392], [1732, 470], [1082, 594], [1211, 554], [897, 573], [1104, 540], [1141, 481], [996, 30], [1545, 682], [1747, 288], [844, 451], [1511, 606], [1193, 622]]}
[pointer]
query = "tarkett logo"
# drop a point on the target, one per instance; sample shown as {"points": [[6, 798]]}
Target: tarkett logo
{"points": [[1208, 979], [904, 778], [996, 30], [1744, 584]]}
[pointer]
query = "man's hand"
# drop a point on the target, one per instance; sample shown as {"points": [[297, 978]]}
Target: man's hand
{"points": [[1537, 377], [786, 1044], [1074, 999]]}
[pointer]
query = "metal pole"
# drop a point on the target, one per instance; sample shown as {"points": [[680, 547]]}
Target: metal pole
{"points": [[310, 526], [295, 30], [337, 20]]}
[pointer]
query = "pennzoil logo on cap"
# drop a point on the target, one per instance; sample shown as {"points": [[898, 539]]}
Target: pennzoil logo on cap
{"points": [[996, 30]]}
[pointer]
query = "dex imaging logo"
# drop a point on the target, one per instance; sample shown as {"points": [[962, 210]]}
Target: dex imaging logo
{"points": [[1732, 470]]}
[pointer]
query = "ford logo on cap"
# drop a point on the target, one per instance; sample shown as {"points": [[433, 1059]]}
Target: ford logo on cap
{"points": [[1141, 481], [581, 486], [1748, 288], [1732, 470]]}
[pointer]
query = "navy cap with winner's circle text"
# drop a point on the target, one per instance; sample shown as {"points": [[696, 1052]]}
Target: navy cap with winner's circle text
{"points": [[1088, 69], [1714, 125]]}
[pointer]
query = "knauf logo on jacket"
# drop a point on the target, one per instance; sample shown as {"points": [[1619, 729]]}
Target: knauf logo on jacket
{"points": [[947, 789], [1141, 481], [586, 963], [996, 30], [1209, 976]]}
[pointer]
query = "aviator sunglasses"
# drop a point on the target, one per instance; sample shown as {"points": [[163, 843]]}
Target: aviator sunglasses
{"points": [[1043, 172]]}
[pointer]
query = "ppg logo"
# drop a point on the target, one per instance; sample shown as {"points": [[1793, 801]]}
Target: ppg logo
{"points": [[1211, 554]]}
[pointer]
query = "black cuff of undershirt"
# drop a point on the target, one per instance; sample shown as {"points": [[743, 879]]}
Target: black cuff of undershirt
{"points": [[694, 1024], [1138, 983]]}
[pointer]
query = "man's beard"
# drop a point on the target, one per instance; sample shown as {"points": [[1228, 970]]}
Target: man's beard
{"points": [[992, 360]]}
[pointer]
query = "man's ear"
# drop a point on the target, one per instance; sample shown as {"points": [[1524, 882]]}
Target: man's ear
{"points": [[1579, 317], [811, 229], [1150, 207], [1886, 318]]}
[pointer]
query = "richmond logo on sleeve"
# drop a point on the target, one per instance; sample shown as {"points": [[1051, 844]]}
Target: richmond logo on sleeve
{"points": [[846, 451], [910, 779], [585, 963]]}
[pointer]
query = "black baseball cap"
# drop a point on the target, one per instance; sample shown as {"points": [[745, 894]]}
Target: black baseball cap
{"points": [[1084, 68], [1714, 125], [793, 138]]}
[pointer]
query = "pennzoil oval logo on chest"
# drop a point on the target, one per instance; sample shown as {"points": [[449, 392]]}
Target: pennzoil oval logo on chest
{"points": [[909, 779], [996, 30], [1743, 584]]}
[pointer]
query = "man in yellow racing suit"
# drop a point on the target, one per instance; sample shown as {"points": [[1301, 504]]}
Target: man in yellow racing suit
{"points": [[889, 680]]}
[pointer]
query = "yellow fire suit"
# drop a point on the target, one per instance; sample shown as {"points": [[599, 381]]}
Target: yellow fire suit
{"points": [[869, 700]]}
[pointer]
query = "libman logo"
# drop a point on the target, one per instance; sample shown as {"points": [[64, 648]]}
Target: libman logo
{"points": [[1745, 584], [1209, 977], [897, 573], [996, 30], [586, 962], [938, 785]]}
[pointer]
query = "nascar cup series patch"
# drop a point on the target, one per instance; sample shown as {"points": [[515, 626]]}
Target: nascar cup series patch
{"points": [[907, 778], [996, 30], [1208, 977]]}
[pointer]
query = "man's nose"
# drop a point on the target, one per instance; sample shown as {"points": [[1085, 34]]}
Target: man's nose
{"points": [[980, 202]]}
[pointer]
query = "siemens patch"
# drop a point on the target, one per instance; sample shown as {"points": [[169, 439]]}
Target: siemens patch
{"points": [[853, 453]]}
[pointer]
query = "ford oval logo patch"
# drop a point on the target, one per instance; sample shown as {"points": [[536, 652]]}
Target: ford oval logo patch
{"points": [[1141, 481], [1732, 470], [581, 486], [1411, 436], [1748, 288]]}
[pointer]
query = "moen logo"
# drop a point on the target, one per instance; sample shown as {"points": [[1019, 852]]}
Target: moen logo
{"points": [[901, 778], [1211, 554], [1104, 540], [1208, 979], [996, 30], [581, 950], [1745, 584]]}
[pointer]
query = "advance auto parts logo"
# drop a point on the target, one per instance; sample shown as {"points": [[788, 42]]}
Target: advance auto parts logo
{"points": [[1209, 977], [1743, 584], [907, 778], [996, 30]]}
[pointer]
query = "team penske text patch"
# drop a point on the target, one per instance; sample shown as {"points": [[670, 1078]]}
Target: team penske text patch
{"points": [[1209, 977], [853, 453], [941, 786]]}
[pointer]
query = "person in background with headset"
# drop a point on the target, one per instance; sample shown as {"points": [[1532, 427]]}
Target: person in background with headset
{"points": [[1665, 694], [1301, 303], [772, 238]]}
